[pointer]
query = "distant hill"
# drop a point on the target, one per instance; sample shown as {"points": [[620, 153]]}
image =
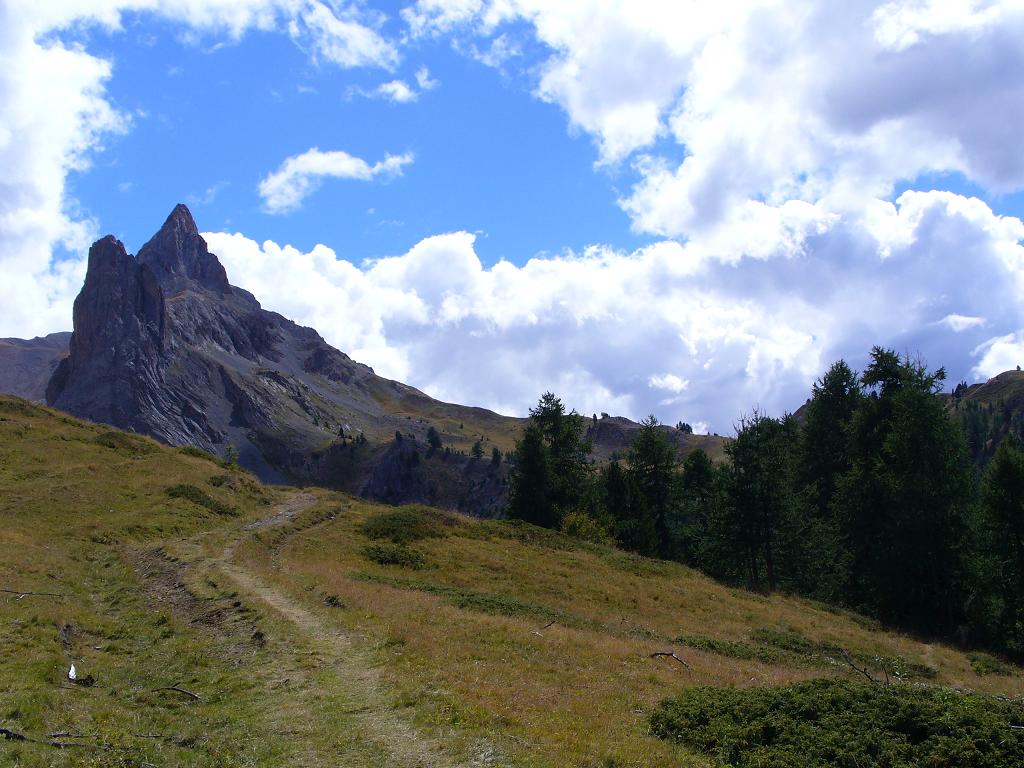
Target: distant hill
{"points": [[164, 345], [989, 412], [26, 365]]}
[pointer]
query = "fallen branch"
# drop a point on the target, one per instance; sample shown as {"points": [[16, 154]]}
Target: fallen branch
{"points": [[176, 688], [861, 670], [537, 632], [22, 593], [671, 655], [10, 735]]}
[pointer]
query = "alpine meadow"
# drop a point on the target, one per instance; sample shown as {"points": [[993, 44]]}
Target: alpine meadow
{"points": [[512, 384]]}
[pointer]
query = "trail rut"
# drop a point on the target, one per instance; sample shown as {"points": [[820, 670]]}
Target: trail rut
{"points": [[351, 667]]}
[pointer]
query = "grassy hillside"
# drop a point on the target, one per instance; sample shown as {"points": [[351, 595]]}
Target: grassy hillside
{"points": [[226, 623], [989, 411]]}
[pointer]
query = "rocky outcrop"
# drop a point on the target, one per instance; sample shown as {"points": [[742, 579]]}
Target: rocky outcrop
{"points": [[164, 345]]}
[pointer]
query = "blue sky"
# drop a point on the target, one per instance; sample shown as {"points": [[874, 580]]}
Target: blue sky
{"points": [[685, 209], [210, 119]]}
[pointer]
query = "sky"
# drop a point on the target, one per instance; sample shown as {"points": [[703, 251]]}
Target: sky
{"points": [[688, 209]]}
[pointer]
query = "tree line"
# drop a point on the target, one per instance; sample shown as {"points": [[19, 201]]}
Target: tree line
{"points": [[869, 501]]}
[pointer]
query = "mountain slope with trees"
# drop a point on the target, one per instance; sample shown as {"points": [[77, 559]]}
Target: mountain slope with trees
{"points": [[869, 501]]}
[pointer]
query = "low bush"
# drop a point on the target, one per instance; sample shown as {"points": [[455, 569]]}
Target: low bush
{"points": [[394, 554], [580, 525], [409, 523], [984, 664], [822, 723]]}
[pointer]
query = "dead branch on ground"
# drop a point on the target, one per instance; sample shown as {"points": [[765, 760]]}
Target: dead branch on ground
{"points": [[671, 655]]}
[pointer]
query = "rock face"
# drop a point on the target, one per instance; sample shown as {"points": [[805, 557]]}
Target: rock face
{"points": [[26, 365], [164, 345]]}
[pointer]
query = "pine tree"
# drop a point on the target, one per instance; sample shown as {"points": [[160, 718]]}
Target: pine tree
{"points": [[626, 506], [1003, 518], [903, 507], [531, 482], [825, 438], [652, 465]]}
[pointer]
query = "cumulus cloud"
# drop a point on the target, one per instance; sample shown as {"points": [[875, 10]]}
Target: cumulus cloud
{"points": [[663, 329], [57, 114], [765, 105], [1002, 353], [300, 175]]}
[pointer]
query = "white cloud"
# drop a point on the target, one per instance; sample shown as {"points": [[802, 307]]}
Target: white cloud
{"points": [[1002, 353], [300, 175], [57, 113], [735, 112], [399, 91], [425, 81], [669, 382], [959, 323], [342, 37], [396, 90], [664, 329]]}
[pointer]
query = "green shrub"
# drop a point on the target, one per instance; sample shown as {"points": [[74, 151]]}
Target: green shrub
{"points": [[822, 723], [984, 664], [394, 554], [197, 496], [409, 523], [580, 525]]}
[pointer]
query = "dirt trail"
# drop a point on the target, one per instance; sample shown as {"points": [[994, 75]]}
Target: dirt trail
{"points": [[353, 668]]}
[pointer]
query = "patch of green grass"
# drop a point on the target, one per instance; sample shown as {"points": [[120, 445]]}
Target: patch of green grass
{"points": [[786, 646], [199, 453], [200, 497], [485, 602], [526, 533], [387, 553], [824, 723], [986, 664], [122, 441], [409, 523], [734, 649]]}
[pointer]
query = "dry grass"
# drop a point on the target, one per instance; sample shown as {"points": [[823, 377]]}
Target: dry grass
{"points": [[574, 693], [306, 652]]}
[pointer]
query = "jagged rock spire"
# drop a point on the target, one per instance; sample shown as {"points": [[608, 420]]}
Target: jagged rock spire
{"points": [[178, 256]]}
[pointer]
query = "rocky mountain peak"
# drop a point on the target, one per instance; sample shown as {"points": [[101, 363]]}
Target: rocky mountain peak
{"points": [[179, 258]]}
